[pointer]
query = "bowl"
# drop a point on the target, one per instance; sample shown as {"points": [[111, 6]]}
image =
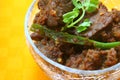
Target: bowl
{"points": [[57, 71]]}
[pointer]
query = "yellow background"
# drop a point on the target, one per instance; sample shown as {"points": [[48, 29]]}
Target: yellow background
{"points": [[16, 63]]}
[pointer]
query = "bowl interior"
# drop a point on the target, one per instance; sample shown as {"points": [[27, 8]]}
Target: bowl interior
{"points": [[28, 21]]}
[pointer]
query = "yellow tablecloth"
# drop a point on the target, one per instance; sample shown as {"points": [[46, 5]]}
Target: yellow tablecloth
{"points": [[16, 62]]}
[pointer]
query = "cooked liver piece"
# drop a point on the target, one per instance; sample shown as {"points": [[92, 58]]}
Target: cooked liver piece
{"points": [[99, 21], [52, 11]]}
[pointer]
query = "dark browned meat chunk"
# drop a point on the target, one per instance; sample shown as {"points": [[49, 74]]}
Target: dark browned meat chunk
{"points": [[112, 32], [100, 20], [51, 12], [116, 32], [93, 59], [116, 15], [111, 58]]}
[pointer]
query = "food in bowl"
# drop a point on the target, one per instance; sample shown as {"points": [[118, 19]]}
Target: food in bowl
{"points": [[78, 34]]}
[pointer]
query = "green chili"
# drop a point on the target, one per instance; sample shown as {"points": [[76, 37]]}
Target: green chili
{"points": [[68, 38]]}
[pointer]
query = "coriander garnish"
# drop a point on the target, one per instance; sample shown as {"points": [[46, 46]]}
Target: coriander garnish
{"points": [[81, 7]]}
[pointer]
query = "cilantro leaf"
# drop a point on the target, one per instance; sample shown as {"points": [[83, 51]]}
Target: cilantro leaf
{"points": [[77, 4], [91, 5], [70, 16], [83, 26]]}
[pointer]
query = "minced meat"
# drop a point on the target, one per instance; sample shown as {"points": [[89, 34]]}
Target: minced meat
{"points": [[78, 56]]}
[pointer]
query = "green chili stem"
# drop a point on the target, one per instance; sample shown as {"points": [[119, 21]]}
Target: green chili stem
{"points": [[68, 38]]}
